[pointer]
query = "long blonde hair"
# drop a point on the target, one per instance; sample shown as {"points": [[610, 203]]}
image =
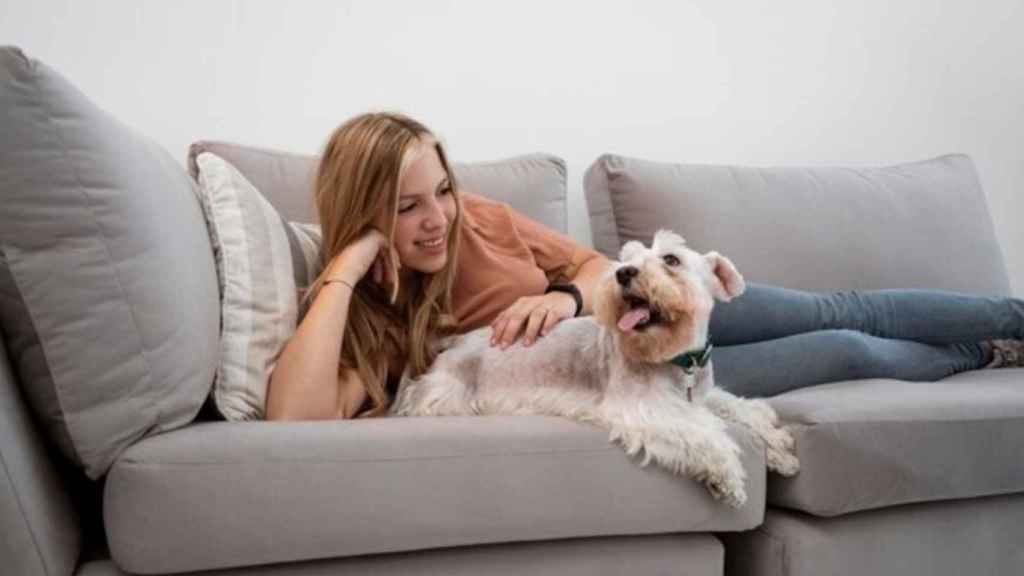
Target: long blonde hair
{"points": [[357, 180]]}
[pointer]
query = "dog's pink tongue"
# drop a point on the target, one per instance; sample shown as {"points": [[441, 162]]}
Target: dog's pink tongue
{"points": [[635, 316]]}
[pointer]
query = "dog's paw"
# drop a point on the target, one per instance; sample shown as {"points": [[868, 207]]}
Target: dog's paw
{"points": [[727, 487], [780, 452], [783, 463], [724, 475]]}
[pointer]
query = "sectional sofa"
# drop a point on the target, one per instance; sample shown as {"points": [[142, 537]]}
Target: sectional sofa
{"points": [[116, 461]]}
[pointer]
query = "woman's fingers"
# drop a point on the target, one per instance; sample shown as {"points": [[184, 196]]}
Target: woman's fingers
{"points": [[509, 330], [496, 327], [533, 325], [549, 322], [378, 273]]}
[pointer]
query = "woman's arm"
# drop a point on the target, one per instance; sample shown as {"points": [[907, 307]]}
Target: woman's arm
{"points": [[306, 383], [586, 278], [535, 316]]}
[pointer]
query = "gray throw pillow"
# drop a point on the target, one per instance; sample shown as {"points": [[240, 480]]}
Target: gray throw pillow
{"points": [[108, 292]]}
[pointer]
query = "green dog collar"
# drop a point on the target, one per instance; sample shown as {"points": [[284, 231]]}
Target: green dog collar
{"points": [[694, 359]]}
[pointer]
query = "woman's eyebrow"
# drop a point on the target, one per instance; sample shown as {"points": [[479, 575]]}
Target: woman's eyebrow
{"points": [[440, 185]]}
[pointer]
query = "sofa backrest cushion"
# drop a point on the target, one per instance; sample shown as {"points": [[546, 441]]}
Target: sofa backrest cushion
{"points": [[108, 292], [533, 184], [918, 225], [38, 521]]}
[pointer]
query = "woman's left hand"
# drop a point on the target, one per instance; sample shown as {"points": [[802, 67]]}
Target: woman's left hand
{"points": [[538, 313]]}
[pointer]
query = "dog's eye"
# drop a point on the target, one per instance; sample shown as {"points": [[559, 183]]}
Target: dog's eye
{"points": [[670, 259]]}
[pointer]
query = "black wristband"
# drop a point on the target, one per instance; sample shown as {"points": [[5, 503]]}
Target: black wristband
{"points": [[570, 289]]}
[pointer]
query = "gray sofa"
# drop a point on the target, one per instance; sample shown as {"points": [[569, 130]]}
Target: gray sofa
{"points": [[115, 462]]}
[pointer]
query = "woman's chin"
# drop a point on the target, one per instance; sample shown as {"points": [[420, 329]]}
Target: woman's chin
{"points": [[428, 265]]}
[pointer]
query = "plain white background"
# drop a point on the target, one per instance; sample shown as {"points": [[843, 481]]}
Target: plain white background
{"points": [[716, 81]]}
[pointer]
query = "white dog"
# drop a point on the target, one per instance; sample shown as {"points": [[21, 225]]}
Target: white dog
{"points": [[638, 368]]}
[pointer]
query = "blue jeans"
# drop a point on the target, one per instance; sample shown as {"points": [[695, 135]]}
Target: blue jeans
{"points": [[771, 340]]}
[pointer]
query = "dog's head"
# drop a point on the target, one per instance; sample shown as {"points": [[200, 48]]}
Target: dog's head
{"points": [[658, 300]]}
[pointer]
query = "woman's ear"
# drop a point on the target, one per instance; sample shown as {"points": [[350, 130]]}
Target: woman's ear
{"points": [[726, 281]]}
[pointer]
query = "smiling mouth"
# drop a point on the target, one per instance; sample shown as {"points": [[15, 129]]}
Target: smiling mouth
{"points": [[431, 243], [640, 315]]}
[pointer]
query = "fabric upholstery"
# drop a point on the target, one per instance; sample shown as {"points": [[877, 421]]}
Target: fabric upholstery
{"points": [[262, 263], [876, 443], [675, 554], [916, 225], [267, 492], [108, 293], [977, 536], [39, 524], [533, 184]]}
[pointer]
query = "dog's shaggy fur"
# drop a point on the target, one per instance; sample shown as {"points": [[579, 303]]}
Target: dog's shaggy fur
{"points": [[613, 370]]}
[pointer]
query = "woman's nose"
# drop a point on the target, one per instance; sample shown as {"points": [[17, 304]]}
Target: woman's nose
{"points": [[436, 217]]}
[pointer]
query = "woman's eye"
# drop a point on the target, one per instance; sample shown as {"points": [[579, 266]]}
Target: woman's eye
{"points": [[444, 191], [670, 259], [406, 208]]}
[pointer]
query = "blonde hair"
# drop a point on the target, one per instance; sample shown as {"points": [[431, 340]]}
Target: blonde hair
{"points": [[358, 179]]}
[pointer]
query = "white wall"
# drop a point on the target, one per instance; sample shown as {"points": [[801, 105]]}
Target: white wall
{"points": [[724, 81]]}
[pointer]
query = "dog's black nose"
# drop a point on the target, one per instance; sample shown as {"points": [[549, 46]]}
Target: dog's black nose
{"points": [[625, 274]]}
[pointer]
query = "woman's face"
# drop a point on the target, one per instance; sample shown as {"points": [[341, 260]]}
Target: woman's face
{"points": [[426, 210]]}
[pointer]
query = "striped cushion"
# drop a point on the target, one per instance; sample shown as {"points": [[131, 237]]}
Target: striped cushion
{"points": [[262, 262]]}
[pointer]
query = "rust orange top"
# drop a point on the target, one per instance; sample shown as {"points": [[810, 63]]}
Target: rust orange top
{"points": [[502, 256]]}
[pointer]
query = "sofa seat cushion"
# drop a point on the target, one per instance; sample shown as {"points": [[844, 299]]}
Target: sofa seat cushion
{"points": [[219, 494], [875, 443]]}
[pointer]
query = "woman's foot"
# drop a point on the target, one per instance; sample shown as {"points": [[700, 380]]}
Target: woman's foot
{"points": [[1004, 353]]}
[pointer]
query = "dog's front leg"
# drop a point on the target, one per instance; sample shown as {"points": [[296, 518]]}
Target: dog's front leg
{"points": [[758, 416], [693, 444]]}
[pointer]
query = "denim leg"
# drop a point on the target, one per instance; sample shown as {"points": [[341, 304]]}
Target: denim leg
{"points": [[766, 312], [776, 366]]}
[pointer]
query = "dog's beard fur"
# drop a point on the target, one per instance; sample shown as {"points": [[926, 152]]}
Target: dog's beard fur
{"points": [[680, 314]]}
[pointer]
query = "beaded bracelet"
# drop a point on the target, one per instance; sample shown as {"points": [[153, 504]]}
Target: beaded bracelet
{"points": [[340, 281]]}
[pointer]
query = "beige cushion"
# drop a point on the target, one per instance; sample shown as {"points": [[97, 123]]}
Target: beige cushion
{"points": [[262, 263]]}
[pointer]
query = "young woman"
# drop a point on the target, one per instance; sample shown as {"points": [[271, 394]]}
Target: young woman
{"points": [[408, 257]]}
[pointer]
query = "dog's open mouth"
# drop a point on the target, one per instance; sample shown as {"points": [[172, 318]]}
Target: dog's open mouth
{"points": [[640, 315]]}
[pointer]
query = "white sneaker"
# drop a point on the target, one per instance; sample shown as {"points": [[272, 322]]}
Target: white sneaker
{"points": [[1005, 353]]}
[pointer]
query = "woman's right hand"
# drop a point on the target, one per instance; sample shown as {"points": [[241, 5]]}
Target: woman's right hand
{"points": [[371, 250]]}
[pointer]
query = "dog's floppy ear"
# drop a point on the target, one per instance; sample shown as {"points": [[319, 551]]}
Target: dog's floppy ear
{"points": [[726, 281]]}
